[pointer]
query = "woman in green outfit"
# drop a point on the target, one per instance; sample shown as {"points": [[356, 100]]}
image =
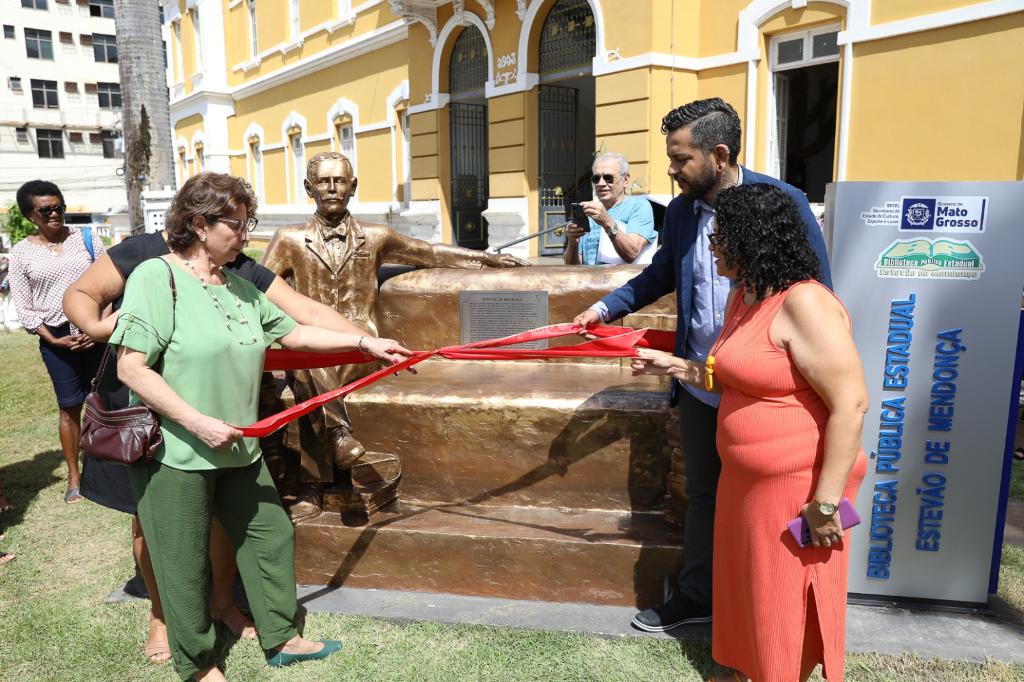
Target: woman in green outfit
{"points": [[193, 352]]}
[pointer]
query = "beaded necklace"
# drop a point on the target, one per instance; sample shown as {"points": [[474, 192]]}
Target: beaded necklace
{"points": [[228, 319]]}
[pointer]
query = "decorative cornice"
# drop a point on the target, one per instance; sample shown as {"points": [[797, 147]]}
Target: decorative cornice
{"points": [[412, 12], [382, 37], [489, 12], [521, 9]]}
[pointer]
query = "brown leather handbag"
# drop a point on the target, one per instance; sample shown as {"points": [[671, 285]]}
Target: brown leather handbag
{"points": [[129, 434]]}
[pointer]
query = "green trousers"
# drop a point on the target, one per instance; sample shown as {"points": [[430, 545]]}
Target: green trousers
{"points": [[175, 508]]}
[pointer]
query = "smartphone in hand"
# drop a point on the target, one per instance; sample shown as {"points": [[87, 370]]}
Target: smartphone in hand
{"points": [[578, 216], [848, 518]]}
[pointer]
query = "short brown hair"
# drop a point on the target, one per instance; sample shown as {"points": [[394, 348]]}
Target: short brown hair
{"points": [[207, 194], [314, 163]]}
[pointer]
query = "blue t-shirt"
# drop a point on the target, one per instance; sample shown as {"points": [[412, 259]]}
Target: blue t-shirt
{"points": [[633, 214]]}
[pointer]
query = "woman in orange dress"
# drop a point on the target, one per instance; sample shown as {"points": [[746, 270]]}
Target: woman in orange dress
{"points": [[789, 426]]}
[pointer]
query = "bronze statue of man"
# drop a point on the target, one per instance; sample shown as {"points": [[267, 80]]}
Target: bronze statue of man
{"points": [[334, 259]]}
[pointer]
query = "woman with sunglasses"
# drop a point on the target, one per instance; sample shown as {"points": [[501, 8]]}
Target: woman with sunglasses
{"points": [[620, 228], [191, 336], [42, 266]]}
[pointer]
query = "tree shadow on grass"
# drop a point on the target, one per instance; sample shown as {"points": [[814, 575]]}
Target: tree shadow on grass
{"points": [[22, 481]]}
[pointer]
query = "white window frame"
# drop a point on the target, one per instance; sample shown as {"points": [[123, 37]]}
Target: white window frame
{"points": [[298, 148], [350, 150], [776, 150], [257, 169], [254, 40], [179, 61], [808, 39], [197, 38], [294, 21], [404, 119]]}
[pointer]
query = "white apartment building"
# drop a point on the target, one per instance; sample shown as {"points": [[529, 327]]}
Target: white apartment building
{"points": [[60, 102]]}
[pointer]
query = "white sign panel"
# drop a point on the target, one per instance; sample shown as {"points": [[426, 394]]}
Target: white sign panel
{"points": [[932, 276]]}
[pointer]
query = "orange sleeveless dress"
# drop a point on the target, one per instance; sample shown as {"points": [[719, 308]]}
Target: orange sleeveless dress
{"points": [[771, 432]]}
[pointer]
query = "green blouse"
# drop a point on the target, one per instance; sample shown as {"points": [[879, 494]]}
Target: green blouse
{"points": [[212, 360]]}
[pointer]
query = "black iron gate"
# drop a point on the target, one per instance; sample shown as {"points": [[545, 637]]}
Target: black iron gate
{"points": [[557, 160], [469, 173], [467, 114]]}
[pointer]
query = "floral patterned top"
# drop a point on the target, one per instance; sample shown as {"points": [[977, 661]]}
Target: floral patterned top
{"points": [[39, 277]]}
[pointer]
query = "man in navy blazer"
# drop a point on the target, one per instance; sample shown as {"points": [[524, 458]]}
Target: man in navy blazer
{"points": [[702, 143]]}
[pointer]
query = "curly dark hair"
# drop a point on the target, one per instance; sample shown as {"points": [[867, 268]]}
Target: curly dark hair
{"points": [[712, 122], [35, 188], [759, 232], [211, 195]]}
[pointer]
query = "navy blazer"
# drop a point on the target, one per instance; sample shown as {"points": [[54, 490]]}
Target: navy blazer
{"points": [[672, 267]]}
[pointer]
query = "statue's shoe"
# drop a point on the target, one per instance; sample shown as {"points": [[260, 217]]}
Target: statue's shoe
{"points": [[346, 451], [309, 505]]}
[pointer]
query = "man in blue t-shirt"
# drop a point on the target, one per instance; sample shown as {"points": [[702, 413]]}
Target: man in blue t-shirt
{"points": [[620, 228]]}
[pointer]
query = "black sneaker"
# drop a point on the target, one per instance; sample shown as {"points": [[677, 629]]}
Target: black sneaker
{"points": [[673, 613], [136, 587]]}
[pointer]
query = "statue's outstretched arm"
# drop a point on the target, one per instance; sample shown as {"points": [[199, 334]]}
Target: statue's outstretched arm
{"points": [[411, 251]]}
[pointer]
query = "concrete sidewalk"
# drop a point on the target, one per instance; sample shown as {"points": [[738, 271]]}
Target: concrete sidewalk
{"points": [[879, 629]]}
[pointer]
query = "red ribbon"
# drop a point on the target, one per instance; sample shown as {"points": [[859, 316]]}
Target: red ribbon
{"points": [[613, 342]]}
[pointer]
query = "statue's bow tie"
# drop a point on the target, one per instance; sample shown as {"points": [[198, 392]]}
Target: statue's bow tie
{"points": [[334, 233]]}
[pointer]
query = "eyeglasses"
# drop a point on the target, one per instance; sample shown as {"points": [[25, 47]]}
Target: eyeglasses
{"points": [[237, 225], [47, 211], [607, 177], [714, 240]]}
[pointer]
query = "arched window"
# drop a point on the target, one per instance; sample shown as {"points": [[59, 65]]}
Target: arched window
{"points": [[182, 164], [467, 70], [346, 138], [256, 153], [254, 42], [197, 38], [296, 25], [568, 43], [298, 163], [467, 75], [568, 39]]}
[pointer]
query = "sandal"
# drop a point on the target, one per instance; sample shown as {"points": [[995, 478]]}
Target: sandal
{"points": [[240, 625], [158, 649], [73, 496], [6, 557], [1018, 454]]}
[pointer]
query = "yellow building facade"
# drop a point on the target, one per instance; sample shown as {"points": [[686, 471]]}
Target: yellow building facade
{"points": [[474, 121]]}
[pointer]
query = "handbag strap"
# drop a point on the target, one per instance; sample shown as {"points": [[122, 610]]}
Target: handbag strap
{"points": [[174, 305]]}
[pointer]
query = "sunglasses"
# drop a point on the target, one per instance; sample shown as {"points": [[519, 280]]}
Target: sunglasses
{"points": [[607, 177], [237, 225], [714, 240], [47, 211]]}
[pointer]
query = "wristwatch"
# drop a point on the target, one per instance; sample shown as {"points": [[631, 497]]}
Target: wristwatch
{"points": [[614, 229], [826, 508]]}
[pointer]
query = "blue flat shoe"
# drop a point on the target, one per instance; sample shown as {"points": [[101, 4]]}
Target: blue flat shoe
{"points": [[279, 659]]}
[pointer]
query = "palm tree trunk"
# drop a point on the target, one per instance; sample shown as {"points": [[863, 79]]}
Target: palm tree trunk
{"points": [[148, 153]]}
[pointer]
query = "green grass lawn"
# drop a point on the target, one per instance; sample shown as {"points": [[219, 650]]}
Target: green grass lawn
{"points": [[55, 626]]}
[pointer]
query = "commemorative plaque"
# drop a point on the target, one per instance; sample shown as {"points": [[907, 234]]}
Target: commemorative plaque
{"points": [[493, 314]]}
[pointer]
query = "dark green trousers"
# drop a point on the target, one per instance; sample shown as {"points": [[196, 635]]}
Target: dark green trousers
{"points": [[175, 508]]}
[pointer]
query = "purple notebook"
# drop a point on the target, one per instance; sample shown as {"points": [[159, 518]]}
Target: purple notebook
{"points": [[848, 518]]}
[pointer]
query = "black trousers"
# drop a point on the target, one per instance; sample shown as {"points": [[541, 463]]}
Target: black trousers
{"points": [[698, 424]]}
